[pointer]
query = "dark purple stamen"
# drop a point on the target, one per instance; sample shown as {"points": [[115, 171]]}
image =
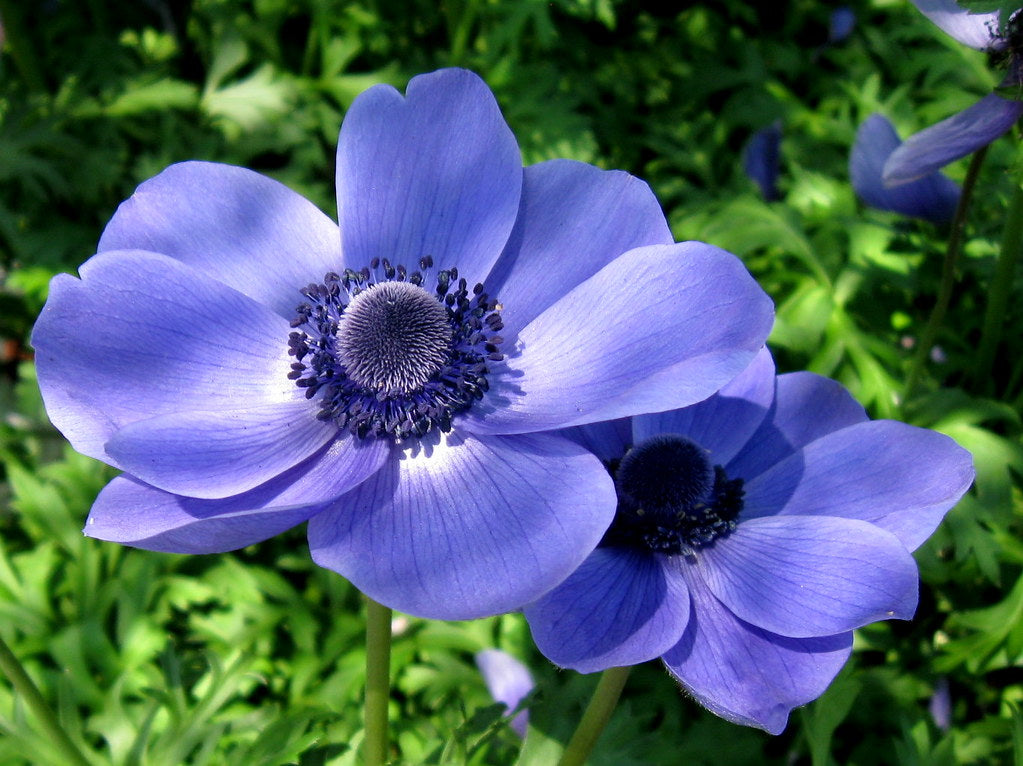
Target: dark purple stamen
{"points": [[388, 356], [670, 499]]}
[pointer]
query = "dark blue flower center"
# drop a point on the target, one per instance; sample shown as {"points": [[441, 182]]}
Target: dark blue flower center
{"points": [[671, 499], [392, 353]]}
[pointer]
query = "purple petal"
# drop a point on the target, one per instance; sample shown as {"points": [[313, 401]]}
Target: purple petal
{"points": [[239, 227], [977, 30], [806, 407], [508, 681], [933, 197], [574, 219], [841, 23], [761, 160], [621, 607], [468, 527], [660, 327], [723, 423], [816, 577], [143, 335], [901, 478], [217, 454], [746, 675], [964, 133], [437, 173], [130, 512]]}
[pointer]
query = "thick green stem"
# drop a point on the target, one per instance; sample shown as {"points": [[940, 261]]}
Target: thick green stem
{"points": [[596, 716], [1000, 289], [378, 681], [34, 699], [948, 275]]}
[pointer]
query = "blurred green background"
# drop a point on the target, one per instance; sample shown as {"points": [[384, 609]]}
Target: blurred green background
{"points": [[256, 657]]}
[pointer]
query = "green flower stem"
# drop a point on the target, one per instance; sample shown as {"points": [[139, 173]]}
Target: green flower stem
{"points": [[30, 693], [1001, 287], [378, 681], [948, 275], [596, 716]]}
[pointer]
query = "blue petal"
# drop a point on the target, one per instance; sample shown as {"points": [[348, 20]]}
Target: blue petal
{"points": [[130, 512], [977, 30], [806, 406], [841, 23], [761, 160], [218, 454], [964, 133], [901, 478], [746, 675], [437, 173], [724, 422], [508, 681], [621, 607], [468, 527], [608, 439], [574, 219], [143, 335], [659, 327], [243, 229], [802, 576], [933, 197]]}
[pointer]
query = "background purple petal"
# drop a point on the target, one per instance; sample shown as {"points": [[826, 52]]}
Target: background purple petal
{"points": [[901, 478], [130, 512], [239, 227], [142, 335], [816, 577], [932, 197], [964, 133], [435, 173], [762, 160], [508, 681], [977, 30], [574, 219], [620, 607], [746, 675], [469, 527], [660, 327]]}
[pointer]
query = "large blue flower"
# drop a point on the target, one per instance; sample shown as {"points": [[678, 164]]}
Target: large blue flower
{"points": [[977, 126], [249, 369], [754, 531]]}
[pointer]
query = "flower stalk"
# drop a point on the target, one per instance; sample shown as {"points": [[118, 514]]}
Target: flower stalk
{"points": [[948, 274], [596, 716], [1001, 286], [24, 685], [378, 680]]}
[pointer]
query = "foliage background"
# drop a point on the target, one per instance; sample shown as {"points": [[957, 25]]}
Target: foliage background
{"points": [[256, 657]]}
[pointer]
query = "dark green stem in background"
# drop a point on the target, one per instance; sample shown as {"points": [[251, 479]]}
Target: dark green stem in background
{"points": [[948, 276], [378, 682], [30, 693], [18, 44], [1000, 289], [596, 716]]}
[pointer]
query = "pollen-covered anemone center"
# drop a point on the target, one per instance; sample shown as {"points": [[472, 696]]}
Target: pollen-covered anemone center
{"points": [[671, 499], [392, 353], [393, 337]]}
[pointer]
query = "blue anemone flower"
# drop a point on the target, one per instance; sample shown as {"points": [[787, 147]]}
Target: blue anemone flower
{"points": [[933, 197], [977, 126], [762, 160], [250, 364], [508, 680], [754, 531]]}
